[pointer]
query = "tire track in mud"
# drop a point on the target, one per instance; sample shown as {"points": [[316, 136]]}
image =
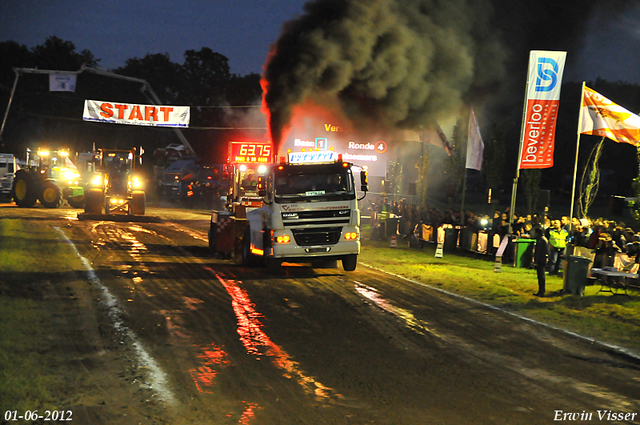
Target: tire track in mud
{"points": [[183, 305], [158, 272], [541, 359], [156, 376]]}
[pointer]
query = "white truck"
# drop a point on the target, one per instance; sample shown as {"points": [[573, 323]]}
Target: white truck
{"points": [[8, 168], [309, 215]]}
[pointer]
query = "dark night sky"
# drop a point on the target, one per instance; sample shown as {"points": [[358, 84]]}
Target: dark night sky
{"points": [[242, 30]]}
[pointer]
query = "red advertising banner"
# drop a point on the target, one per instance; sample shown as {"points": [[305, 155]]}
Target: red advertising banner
{"points": [[539, 134], [543, 97]]}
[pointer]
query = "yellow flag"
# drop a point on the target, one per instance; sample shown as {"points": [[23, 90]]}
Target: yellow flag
{"points": [[602, 117]]}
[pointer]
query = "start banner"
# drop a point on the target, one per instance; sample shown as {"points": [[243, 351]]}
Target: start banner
{"points": [[541, 109], [132, 114]]}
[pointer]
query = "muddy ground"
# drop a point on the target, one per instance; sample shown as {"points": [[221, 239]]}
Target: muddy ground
{"points": [[156, 330]]}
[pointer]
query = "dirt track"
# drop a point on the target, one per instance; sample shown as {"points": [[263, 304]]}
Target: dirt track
{"points": [[162, 332]]}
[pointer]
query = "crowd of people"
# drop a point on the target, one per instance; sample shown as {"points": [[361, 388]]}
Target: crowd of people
{"points": [[604, 237]]}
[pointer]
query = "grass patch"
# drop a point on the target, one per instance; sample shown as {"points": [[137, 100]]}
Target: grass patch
{"points": [[614, 319], [30, 252], [26, 383]]}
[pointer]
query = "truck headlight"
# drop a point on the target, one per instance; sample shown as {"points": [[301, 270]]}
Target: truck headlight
{"points": [[351, 236], [136, 183], [283, 239]]}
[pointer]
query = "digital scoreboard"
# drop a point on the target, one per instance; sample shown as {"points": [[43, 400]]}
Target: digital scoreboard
{"points": [[250, 152]]}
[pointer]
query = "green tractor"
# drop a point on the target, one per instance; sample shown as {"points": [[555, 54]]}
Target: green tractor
{"points": [[52, 180], [115, 187]]}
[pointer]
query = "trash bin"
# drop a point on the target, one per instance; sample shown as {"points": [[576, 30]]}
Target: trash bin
{"points": [[524, 252], [576, 274], [450, 240], [466, 239], [392, 226]]}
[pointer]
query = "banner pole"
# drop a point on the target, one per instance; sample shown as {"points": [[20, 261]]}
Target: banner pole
{"points": [[6, 112], [464, 191], [575, 166], [514, 189]]}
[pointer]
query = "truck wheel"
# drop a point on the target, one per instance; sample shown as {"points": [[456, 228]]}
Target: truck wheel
{"points": [[248, 259], [273, 264], [76, 201], [138, 201], [50, 195], [349, 263], [23, 191], [213, 237], [93, 204]]}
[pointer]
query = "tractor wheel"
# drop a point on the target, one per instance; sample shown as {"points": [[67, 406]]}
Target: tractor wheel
{"points": [[350, 262], [24, 188], [138, 201], [93, 202], [76, 201], [50, 195]]}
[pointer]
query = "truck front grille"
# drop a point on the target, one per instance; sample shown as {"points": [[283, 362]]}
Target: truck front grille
{"points": [[332, 217], [317, 236]]}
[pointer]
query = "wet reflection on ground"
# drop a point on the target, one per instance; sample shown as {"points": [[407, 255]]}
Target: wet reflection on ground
{"points": [[372, 295], [258, 343], [213, 358]]}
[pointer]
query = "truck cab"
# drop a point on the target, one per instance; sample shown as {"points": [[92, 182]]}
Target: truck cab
{"points": [[310, 212]]}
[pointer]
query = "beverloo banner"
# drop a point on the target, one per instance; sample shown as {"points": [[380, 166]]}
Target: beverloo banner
{"points": [[133, 114], [541, 109]]}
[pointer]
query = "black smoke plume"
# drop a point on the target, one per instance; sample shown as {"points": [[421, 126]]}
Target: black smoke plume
{"points": [[392, 64], [385, 64]]}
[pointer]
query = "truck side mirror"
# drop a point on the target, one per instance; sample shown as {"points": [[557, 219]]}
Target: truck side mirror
{"points": [[262, 190], [364, 181]]}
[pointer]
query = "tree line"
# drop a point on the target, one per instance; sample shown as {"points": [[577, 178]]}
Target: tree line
{"points": [[203, 81]]}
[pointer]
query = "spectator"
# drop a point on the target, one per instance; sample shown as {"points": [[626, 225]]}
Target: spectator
{"points": [[618, 237], [578, 236], [557, 244], [605, 251], [540, 258], [595, 235], [565, 222], [546, 223]]}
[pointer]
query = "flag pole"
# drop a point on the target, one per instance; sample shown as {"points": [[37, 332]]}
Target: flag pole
{"points": [[575, 166], [514, 189], [464, 180], [464, 190]]}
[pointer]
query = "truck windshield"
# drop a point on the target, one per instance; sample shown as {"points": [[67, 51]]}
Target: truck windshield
{"points": [[296, 184]]}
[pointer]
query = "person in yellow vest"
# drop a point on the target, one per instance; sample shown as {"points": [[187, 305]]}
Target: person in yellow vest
{"points": [[557, 243]]}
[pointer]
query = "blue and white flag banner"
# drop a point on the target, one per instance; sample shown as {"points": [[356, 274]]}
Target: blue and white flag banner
{"points": [[59, 81]]}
